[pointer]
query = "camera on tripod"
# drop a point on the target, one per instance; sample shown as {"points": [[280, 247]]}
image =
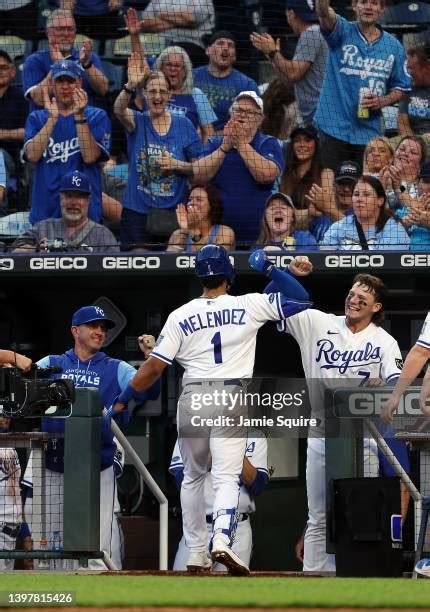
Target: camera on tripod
{"points": [[35, 394]]}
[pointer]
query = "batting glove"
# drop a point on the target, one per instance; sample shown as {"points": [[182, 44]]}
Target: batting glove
{"points": [[258, 261]]}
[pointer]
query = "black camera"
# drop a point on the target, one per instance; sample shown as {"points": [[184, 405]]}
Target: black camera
{"points": [[34, 394]]}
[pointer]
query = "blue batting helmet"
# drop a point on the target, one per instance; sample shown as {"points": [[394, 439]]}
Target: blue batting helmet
{"points": [[212, 260]]}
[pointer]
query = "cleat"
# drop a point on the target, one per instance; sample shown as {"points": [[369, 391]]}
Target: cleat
{"points": [[199, 562], [423, 567], [222, 553]]}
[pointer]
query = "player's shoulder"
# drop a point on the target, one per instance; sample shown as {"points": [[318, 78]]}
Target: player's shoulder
{"points": [[382, 333]]}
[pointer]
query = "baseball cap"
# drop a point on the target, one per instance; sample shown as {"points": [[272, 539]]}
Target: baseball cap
{"points": [[308, 130], [88, 314], [250, 94], [75, 181], [425, 170], [283, 196], [305, 9], [68, 68], [221, 34], [347, 171]]}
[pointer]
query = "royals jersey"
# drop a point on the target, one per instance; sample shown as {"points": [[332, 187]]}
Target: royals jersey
{"points": [[256, 453], [10, 497], [331, 351], [424, 338], [216, 337]]}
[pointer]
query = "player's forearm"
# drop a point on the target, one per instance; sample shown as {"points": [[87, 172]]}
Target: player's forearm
{"points": [[249, 472], [326, 14], [16, 134], [414, 362], [262, 169], [148, 373], [97, 80], [37, 145]]}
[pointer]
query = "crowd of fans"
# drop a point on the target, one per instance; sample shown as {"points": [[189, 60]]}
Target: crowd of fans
{"points": [[188, 150]]}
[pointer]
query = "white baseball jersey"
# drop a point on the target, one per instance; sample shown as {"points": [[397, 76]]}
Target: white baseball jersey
{"points": [[330, 350], [10, 497], [256, 452], [216, 337], [424, 338]]}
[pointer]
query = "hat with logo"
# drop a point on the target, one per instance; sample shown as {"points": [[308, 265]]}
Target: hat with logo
{"points": [[347, 171], [282, 196], [308, 130], [89, 314], [68, 68], [425, 170], [305, 9], [221, 34], [75, 181], [250, 94]]}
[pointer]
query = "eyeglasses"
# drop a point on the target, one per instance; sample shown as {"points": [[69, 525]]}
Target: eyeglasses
{"points": [[64, 28], [155, 92], [239, 110]]}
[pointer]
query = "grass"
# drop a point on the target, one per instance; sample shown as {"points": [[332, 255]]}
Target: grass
{"points": [[227, 591]]}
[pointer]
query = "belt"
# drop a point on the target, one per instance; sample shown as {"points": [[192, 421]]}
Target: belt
{"points": [[11, 529], [236, 382], [241, 517]]}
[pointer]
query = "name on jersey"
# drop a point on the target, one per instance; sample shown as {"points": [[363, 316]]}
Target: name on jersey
{"points": [[61, 151], [365, 67], [332, 358], [217, 318]]}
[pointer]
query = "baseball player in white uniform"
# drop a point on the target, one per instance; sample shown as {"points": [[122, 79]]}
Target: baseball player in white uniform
{"points": [[351, 346], [415, 360], [254, 478], [213, 337]]}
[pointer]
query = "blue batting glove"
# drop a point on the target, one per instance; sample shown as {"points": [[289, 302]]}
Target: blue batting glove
{"points": [[258, 261]]}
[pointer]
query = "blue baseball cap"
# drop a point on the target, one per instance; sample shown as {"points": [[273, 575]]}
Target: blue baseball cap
{"points": [[88, 314], [305, 9], [68, 68], [75, 181]]}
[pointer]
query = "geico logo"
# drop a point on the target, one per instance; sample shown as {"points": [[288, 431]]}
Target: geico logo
{"points": [[6, 263], [368, 404], [184, 262], [412, 261], [131, 263], [58, 263], [354, 261], [281, 261]]}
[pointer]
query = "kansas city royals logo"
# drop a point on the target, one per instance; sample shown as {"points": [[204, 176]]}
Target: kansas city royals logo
{"points": [[332, 358], [98, 310], [311, 4], [76, 180]]}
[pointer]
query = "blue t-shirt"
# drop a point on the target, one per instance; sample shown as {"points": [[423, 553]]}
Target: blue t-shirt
{"points": [[353, 64], [243, 197], [221, 91], [110, 377], [419, 235], [38, 64], [147, 186], [63, 155], [343, 235], [194, 106], [298, 241]]}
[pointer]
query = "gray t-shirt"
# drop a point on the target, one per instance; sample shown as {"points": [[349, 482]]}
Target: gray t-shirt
{"points": [[204, 15], [98, 240], [417, 107], [311, 47]]}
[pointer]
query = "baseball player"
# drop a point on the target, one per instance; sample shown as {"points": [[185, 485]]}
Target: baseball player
{"points": [[253, 479], [415, 360], [351, 346], [213, 337], [88, 367]]}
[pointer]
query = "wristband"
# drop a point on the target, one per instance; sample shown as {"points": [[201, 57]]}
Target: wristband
{"points": [[223, 150], [87, 66], [196, 238], [272, 54], [127, 90], [125, 396], [80, 121]]}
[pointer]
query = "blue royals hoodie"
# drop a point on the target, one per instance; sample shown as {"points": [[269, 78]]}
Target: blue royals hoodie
{"points": [[110, 377]]}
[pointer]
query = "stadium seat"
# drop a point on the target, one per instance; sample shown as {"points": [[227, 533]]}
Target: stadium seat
{"points": [[15, 46], [120, 48], [406, 17]]}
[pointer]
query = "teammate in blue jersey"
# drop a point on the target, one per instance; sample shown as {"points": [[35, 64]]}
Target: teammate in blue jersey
{"points": [[67, 135], [366, 70], [213, 337], [61, 33], [88, 367]]}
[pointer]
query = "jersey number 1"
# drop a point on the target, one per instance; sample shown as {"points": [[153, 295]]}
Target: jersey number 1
{"points": [[216, 341]]}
